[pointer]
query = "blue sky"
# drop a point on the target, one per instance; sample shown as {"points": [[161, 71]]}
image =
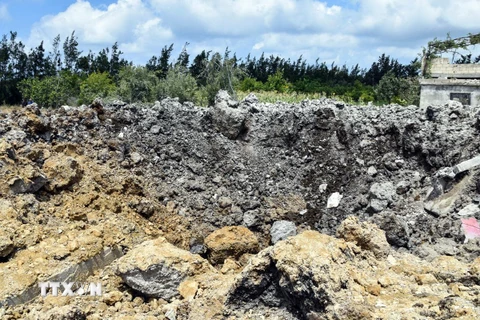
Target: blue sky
{"points": [[340, 31]]}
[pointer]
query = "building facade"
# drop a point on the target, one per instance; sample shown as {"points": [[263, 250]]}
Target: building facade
{"points": [[459, 82]]}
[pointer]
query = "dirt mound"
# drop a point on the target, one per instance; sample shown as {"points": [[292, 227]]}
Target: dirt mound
{"points": [[178, 185]]}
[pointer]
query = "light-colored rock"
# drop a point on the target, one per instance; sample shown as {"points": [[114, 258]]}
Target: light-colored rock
{"points": [[6, 245], [230, 242], [381, 194], [224, 202], [281, 230], [366, 235], [371, 171], [469, 210], [322, 188], [156, 268], [334, 200], [62, 172], [188, 289]]}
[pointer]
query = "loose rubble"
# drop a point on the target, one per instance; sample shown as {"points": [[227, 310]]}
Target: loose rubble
{"points": [[243, 210]]}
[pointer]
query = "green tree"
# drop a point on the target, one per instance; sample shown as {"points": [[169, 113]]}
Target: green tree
{"points": [[96, 85], [404, 91], [137, 84], [178, 83], [71, 53]]}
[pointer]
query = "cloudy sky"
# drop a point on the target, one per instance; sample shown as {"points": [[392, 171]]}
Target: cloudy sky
{"points": [[340, 31]]}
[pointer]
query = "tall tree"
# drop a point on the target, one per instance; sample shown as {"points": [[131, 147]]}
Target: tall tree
{"points": [[71, 53]]}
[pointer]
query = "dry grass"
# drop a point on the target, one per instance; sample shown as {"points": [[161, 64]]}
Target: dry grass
{"points": [[273, 97], [8, 109]]}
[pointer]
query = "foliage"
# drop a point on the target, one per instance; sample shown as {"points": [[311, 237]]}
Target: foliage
{"points": [[404, 91], [436, 47], [179, 83], [96, 85], [83, 76], [136, 84], [47, 92]]}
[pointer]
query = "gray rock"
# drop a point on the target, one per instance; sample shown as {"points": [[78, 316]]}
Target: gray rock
{"points": [[381, 195], [136, 158], [156, 268], [402, 187], [281, 230], [224, 202], [231, 122], [251, 219]]}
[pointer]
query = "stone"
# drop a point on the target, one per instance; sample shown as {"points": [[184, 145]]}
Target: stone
{"points": [[62, 172], [381, 195], [230, 242], [281, 230], [112, 297], [156, 268], [334, 200], [136, 158], [188, 289], [371, 171], [322, 188], [224, 202], [469, 210], [229, 121], [366, 235], [251, 219]]}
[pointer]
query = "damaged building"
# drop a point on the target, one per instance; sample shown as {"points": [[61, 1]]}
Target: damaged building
{"points": [[448, 81]]}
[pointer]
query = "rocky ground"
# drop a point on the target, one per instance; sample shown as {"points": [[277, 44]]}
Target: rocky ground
{"points": [[243, 210]]}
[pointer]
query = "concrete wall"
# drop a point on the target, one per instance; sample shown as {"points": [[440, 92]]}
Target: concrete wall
{"points": [[437, 91], [441, 68]]}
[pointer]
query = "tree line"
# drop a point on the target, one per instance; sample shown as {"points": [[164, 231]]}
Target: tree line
{"points": [[66, 75]]}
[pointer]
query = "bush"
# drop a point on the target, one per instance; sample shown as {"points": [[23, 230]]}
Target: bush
{"points": [[404, 91], [48, 92], [178, 83], [96, 85], [136, 84]]}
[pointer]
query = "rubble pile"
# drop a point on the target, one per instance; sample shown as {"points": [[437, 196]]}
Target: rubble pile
{"points": [[244, 210]]}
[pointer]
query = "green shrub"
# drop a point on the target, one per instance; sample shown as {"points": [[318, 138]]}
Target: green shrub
{"points": [[96, 85], [178, 83], [404, 91], [136, 84]]}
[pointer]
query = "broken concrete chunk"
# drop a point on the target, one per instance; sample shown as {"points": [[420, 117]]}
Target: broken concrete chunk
{"points": [[281, 230], [322, 188], [156, 268], [230, 242], [381, 195], [372, 171], [231, 122], [469, 210], [366, 235], [334, 200]]}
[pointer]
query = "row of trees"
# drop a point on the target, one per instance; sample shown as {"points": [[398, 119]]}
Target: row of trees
{"points": [[67, 75]]}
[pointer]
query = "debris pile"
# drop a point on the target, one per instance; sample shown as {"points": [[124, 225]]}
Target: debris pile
{"points": [[241, 211]]}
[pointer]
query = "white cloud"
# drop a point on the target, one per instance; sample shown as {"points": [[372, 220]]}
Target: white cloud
{"points": [[130, 22], [356, 33]]}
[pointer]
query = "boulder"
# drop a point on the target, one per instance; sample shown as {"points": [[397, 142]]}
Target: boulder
{"points": [[230, 242], [156, 268], [62, 172], [365, 235], [231, 122]]}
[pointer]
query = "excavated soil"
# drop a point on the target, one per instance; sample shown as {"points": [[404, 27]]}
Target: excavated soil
{"points": [[243, 210]]}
